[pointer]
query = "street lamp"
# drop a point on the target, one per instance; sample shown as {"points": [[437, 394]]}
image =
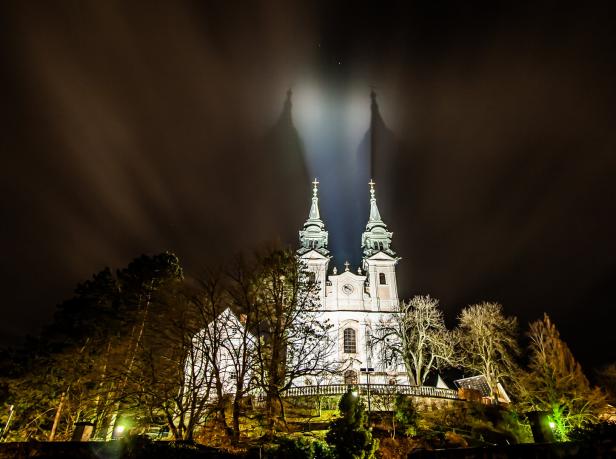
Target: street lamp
{"points": [[367, 370]]}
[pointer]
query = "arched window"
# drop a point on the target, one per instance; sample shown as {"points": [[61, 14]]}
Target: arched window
{"points": [[350, 341], [350, 377], [382, 279]]}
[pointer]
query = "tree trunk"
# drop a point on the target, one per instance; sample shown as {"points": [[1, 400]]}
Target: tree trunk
{"points": [[174, 430], [236, 420], [131, 360], [56, 419], [269, 402], [282, 413], [393, 423], [112, 421], [99, 403]]}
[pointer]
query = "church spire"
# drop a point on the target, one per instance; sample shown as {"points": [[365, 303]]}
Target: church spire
{"points": [[314, 208], [313, 236], [375, 216], [376, 238]]}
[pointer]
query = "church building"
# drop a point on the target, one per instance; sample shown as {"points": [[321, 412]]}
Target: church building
{"points": [[355, 302]]}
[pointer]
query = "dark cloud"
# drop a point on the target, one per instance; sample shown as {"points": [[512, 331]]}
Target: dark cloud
{"points": [[140, 127]]}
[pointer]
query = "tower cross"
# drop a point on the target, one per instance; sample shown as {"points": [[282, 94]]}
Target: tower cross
{"points": [[346, 265], [372, 183], [315, 188]]}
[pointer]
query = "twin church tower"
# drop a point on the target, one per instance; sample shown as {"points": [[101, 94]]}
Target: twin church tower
{"points": [[355, 302]]}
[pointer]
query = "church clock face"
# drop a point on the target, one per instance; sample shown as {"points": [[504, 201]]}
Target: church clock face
{"points": [[347, 289]]}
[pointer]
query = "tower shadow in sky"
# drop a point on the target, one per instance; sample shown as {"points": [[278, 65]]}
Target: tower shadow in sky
{"points": [[383, 157], [377, 158], [282, 181]]}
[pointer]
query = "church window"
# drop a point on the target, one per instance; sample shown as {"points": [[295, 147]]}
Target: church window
{"points": [[350, 341], [350, 377], [312, 277], [382, 279]]}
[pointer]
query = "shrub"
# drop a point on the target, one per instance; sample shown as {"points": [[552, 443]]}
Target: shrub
{"points": [[348, 434], [594, 433], [296, 448], [405, 414]]}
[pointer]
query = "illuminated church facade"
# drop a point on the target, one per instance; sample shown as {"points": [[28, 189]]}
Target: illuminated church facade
{"points": [[355, 302]]}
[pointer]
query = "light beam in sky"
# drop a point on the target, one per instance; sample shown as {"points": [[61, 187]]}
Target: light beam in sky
{"points": [[332, 121]]}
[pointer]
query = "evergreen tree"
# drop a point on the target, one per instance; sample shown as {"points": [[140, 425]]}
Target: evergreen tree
{"points": [[607, 378], [405, 414], [348, 434], [77, 369], [555, 383]]}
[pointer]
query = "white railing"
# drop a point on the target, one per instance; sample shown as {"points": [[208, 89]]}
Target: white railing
{"points": [[375, 389]]}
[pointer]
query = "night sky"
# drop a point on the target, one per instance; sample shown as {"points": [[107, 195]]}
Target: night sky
{"points": [[139, 127]]}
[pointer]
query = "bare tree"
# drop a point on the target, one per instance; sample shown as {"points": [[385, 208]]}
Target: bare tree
{"points": [[211, 301], [555, 383], [224, 347], [415, 335], [291, 338], [488, 343], [171, 375], [238, 347], [228, 344]]}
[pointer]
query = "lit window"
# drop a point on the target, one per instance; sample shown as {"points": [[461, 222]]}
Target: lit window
{"points": [[350, 341], [382, 279]]}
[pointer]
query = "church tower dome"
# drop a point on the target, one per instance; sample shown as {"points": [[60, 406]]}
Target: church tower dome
{"points": [[313, 236], [376, 238]]}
